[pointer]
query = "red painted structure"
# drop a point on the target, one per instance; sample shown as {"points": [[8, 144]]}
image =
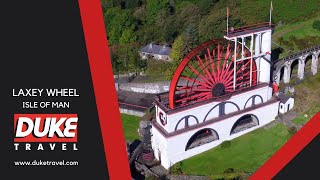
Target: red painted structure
{"points": [[275, 88], [208, 72]]}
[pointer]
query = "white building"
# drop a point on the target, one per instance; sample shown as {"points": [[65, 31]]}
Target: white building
{"points": [[183, 130]]}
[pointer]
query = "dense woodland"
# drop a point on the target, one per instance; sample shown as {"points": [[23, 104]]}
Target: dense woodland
{"points": [[181, 24]]}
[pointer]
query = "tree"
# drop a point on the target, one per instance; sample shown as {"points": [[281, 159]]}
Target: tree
{"points": [[188, 14], [111, 3], [133, 58], [141, 64], [153, 7], [206, 5], [214, 25], [131, 4], [165, 27], [121, 27], [181, 23], [190, 37], [128, 36], [161, 17], [105, 4], [117, 22], [140, 14], [177, 51], [177, 54], [117, 65]]}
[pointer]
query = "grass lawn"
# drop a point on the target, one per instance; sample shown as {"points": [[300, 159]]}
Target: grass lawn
{"points": [[310, 113], [298, 29], [300, 119], [130, 126], [307, 98], [246, 153]]}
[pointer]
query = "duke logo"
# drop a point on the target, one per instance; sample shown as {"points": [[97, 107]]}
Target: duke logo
{"points": [[45, 127]]}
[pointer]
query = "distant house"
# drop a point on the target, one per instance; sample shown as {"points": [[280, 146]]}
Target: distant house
{"points": [[155, 51]]}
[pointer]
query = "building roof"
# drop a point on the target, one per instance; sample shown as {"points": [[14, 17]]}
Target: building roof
{"points": [[283, 98], [233, 32], [135, 101], [156, 49]]}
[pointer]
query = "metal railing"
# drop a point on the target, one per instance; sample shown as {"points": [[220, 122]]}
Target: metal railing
{"points": [[251, 27]]}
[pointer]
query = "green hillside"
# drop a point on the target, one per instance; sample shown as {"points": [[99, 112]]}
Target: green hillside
{"points": [[297, 36], [131, 24], [285, 11]]}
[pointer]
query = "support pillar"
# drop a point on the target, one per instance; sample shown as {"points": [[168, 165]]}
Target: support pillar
{"points": [[314, 63], [301, 66], [257, 52], [265, 62], [286, 74]]}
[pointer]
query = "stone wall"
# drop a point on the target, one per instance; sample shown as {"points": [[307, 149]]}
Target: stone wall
{"points": [[151, 88], [131, 112], [128, 74]]}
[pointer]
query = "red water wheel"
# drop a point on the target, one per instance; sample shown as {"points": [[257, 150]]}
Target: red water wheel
{"points": [[208, 72]]}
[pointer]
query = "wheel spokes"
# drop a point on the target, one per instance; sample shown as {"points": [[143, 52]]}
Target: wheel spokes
{"points": [[205, 74]]}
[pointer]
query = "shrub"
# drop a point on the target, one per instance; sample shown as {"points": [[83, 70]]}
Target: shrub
{"points": [[225, 144], [176, 168], [292, 130], [316, 25], [228, 176], [229, 170]]}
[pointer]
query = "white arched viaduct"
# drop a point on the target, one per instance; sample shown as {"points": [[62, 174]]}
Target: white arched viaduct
{"points": [[301, 57]]}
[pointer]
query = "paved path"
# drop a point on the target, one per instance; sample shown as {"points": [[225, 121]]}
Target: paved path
{"points": [[287, 118]]}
